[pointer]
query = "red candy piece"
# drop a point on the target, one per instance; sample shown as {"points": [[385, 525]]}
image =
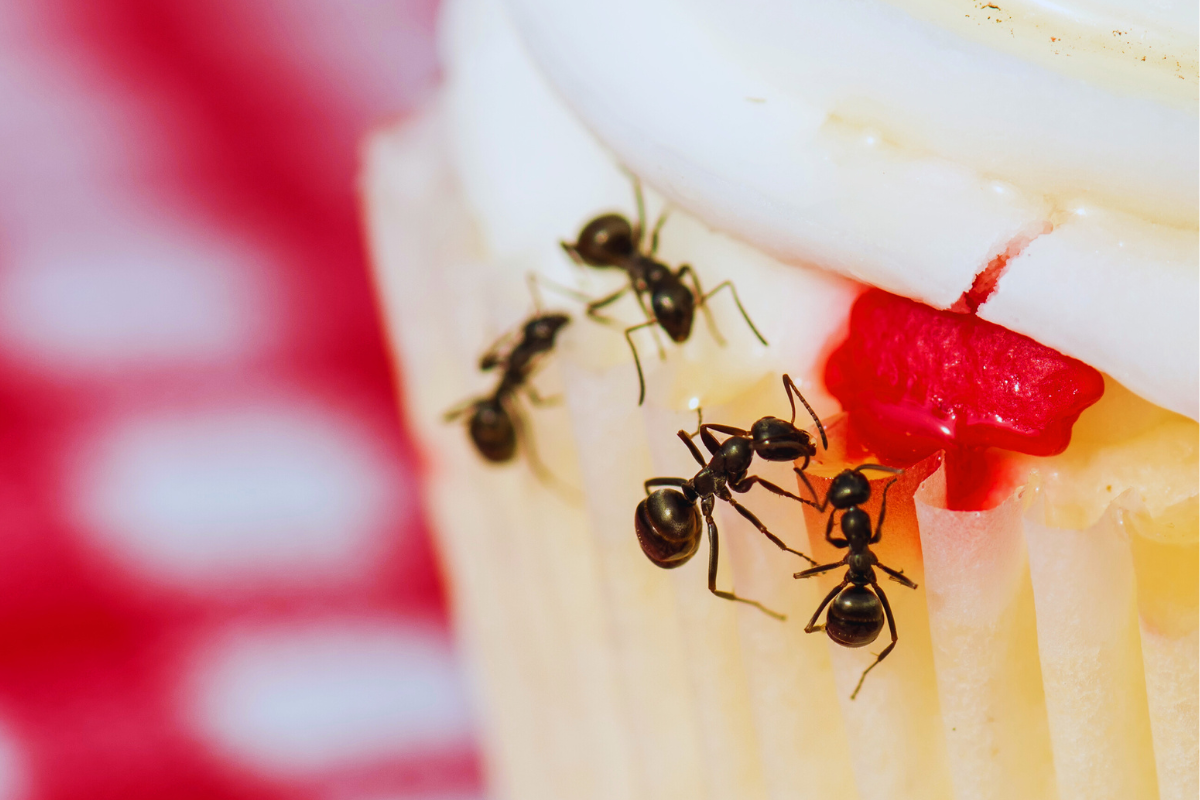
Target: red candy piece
{"points": [[916, 380]]}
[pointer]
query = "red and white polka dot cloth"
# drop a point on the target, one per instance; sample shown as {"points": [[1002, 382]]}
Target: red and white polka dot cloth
{"points": [[214, 579]]}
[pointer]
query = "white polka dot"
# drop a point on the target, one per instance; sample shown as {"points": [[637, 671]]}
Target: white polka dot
{"points": [[89, 301], [14, 771], [265, 493], [306, 698]]}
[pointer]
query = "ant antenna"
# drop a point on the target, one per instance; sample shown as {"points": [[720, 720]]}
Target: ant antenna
{"points": [[789, 386], [540, 471], [662, 218], [531, 279], [641, 208], [879, 468]]}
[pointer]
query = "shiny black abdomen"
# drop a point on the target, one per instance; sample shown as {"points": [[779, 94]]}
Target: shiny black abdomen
{"points": [[493, 432], [606, 241], [668, 528], [855, 617]]}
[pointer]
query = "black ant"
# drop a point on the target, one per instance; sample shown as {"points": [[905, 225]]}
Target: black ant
{"points": [[772, 439], [495, 424], [667, 522], [611, 241], [856, 614]]}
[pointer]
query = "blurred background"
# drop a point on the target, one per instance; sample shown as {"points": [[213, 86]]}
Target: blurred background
{"points": [[215, 581]]}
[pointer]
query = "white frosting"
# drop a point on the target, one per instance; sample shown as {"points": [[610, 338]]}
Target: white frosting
{"points": [[1073, 290], [869, 141], [650, 74]]}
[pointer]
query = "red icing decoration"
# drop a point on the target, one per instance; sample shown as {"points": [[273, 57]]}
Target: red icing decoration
{"points": [[916, 380]]}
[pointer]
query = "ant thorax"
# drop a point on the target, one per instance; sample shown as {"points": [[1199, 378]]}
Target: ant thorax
{"points": [[735, 457], [856, 526], [652, 273]]}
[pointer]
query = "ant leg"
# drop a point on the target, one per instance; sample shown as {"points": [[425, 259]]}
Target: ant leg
{"points": [[812, 626], [604, 301], [699, 422], [746, 484], [459, 410], [887, 609], [745, 316], [536, 280], [897, 575], [493, 358], [538, 400], [663, 482], [709, 440], [839, 543], [637, 361], [882, 512], [745, 512], [729, 429], [548, 479], [819, 504], [789, 386], [662, 217], [708, 317], [808, 573], [570, 250], [691, 446], [662, 354], [707, 507]]}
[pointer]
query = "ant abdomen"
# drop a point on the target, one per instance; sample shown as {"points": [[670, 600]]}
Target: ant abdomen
{"points": [[605, 241], [493, 432], [668, 528], [855, 617]]}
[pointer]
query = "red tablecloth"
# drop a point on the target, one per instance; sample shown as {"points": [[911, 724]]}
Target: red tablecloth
{"points": [[215, 581]]}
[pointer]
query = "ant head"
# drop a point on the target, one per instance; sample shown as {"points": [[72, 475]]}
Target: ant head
{"points": [[604, 242], [668, 528], [776, 439], [674, 309], [849, 488], [544, 328], [493, 432]]}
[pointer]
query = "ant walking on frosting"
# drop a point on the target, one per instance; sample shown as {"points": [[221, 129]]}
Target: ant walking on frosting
{"points": [[667, 522], [496, 423], [856, 612], [611, 241]]}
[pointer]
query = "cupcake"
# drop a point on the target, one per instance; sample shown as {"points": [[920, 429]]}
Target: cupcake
{"points": [[1027, 170]]}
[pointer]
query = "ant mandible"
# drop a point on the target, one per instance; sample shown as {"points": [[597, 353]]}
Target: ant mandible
{"points": [[611, 241], [668, 524], [856, 614], [495, 424]]}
